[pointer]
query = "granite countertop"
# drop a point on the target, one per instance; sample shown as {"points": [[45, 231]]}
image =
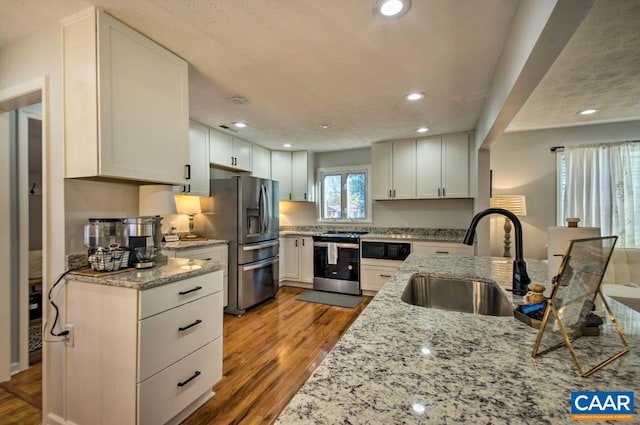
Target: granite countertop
{"points": [[185, 244], [403, 364], [161, 274], [433, 237]]}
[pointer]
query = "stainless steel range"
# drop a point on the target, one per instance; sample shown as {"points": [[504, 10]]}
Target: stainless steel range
{"points": [[336, 262]]}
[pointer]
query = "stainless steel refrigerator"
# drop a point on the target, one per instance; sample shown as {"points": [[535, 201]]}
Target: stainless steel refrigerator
{"points": [[246, 214]]}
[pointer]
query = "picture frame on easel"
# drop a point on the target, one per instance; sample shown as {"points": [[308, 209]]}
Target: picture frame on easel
{"points": [[573, 297]]}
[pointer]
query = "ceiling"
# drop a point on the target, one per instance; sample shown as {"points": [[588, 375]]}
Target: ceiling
{"points": [[303, 63]]}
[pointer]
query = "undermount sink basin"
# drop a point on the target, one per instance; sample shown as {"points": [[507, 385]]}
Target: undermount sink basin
{"points": [[466, 296]]}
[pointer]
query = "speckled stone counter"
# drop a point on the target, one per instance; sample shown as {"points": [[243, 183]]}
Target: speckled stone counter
{"points": [[184, 244], [403, 364], [161, 274]]}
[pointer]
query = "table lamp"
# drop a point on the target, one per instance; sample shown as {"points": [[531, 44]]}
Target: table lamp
{"points": [[189, 205], [516, 204], [156, 200]]}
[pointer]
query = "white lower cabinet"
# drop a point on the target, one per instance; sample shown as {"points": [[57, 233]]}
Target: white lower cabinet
{"points": [[297, 263], [374, 273], [444, 248], [142, 357], [217, 253]]}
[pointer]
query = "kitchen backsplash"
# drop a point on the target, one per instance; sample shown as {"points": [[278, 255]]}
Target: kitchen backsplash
{"points": [[436, 234]]}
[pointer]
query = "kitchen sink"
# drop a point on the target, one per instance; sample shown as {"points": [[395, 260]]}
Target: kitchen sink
{"points": [[467, 296]]}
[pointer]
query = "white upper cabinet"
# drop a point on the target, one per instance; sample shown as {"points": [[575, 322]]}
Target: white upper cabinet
{"points": [[198, 171], [394, 170], [281, 171], [125, 102], [261, 162], [228, 151], [302, 176], [443, 166], [296, 173]]}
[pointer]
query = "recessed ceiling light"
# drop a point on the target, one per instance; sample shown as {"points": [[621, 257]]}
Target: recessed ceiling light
{"points": [[286, 145], [392, 8], [240, 124], [413, 96], [325, 125], [588, 111], [422, 129]]}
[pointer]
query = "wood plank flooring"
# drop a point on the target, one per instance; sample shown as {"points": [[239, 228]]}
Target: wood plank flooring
{"points": [[268, 354]]}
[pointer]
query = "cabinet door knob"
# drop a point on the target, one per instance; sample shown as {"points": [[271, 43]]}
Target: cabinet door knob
{"points": [[389, 193], [296, 242], [394, 193], [444, 193], [438, 192], [187, 169], [305, 196]]}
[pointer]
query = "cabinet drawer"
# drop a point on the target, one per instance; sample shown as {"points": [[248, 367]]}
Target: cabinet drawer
{"points": [[373, 278], [442, 248], [165, 297], [217, 253], [165, 394], [169, 336]]}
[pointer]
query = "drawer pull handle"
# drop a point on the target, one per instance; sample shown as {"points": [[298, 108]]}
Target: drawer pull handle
{"points": [[207, 259], [195, 375], [197, 288], [442, 252], [184, 328], [385, 275]]}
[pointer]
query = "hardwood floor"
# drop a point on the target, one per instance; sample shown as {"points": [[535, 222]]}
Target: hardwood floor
{"points": [[268, 354]]}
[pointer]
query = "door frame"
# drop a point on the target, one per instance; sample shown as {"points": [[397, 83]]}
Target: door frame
{"points": [[12, 98]]}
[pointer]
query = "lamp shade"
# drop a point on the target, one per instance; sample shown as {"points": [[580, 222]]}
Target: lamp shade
{"points": [[188, 204], [516, 204], [156, 199]]}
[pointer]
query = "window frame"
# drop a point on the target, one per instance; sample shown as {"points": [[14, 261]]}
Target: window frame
{"points": [[321, 172]]}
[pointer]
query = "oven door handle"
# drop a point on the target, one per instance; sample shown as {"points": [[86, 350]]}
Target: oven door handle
{"points": [[339, 245], [260, 246], [260, 264]]}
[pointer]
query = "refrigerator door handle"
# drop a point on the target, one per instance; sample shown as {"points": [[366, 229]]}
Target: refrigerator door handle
{"points": [[267, 209], [261, 264], [260, 246]]}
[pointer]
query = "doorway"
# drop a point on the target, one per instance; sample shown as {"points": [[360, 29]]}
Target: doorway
{"points": [[21, 231]]}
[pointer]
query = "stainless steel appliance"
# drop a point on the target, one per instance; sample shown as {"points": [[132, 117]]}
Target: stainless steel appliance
{"points": [[246, 214], [336, 262], [138, 232], [395, 251]]}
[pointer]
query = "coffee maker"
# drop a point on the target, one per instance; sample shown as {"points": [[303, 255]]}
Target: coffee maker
{"points": [[139, 236]]}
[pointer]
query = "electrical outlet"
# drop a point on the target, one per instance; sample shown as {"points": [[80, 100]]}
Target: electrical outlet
{"points": [[69, 338]]}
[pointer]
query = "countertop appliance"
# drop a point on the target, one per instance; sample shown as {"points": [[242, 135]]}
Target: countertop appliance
{"points": [[246, 214], [139, 233], [382, 250], [336, 262]]}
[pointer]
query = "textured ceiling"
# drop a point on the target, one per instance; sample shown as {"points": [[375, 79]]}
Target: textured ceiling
{"points": [[303, 63], [599, 68]]}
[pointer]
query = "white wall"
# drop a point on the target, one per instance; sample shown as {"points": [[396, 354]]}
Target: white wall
{"points": [[522, 164]]}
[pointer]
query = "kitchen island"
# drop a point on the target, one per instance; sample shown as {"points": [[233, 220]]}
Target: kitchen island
{"points": [[404, 364]]}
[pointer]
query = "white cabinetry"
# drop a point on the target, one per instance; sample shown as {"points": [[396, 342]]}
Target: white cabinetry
{"points": [[216, 253], [375, 273], [443, 166], [445, 248], [142, 357], [394, 170], [298, 258], [261, 162], [229, 151], [295, 172], [198, 168], [125, 103]]}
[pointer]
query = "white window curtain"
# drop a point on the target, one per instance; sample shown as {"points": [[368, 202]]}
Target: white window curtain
{"points": [[600, 184]]}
